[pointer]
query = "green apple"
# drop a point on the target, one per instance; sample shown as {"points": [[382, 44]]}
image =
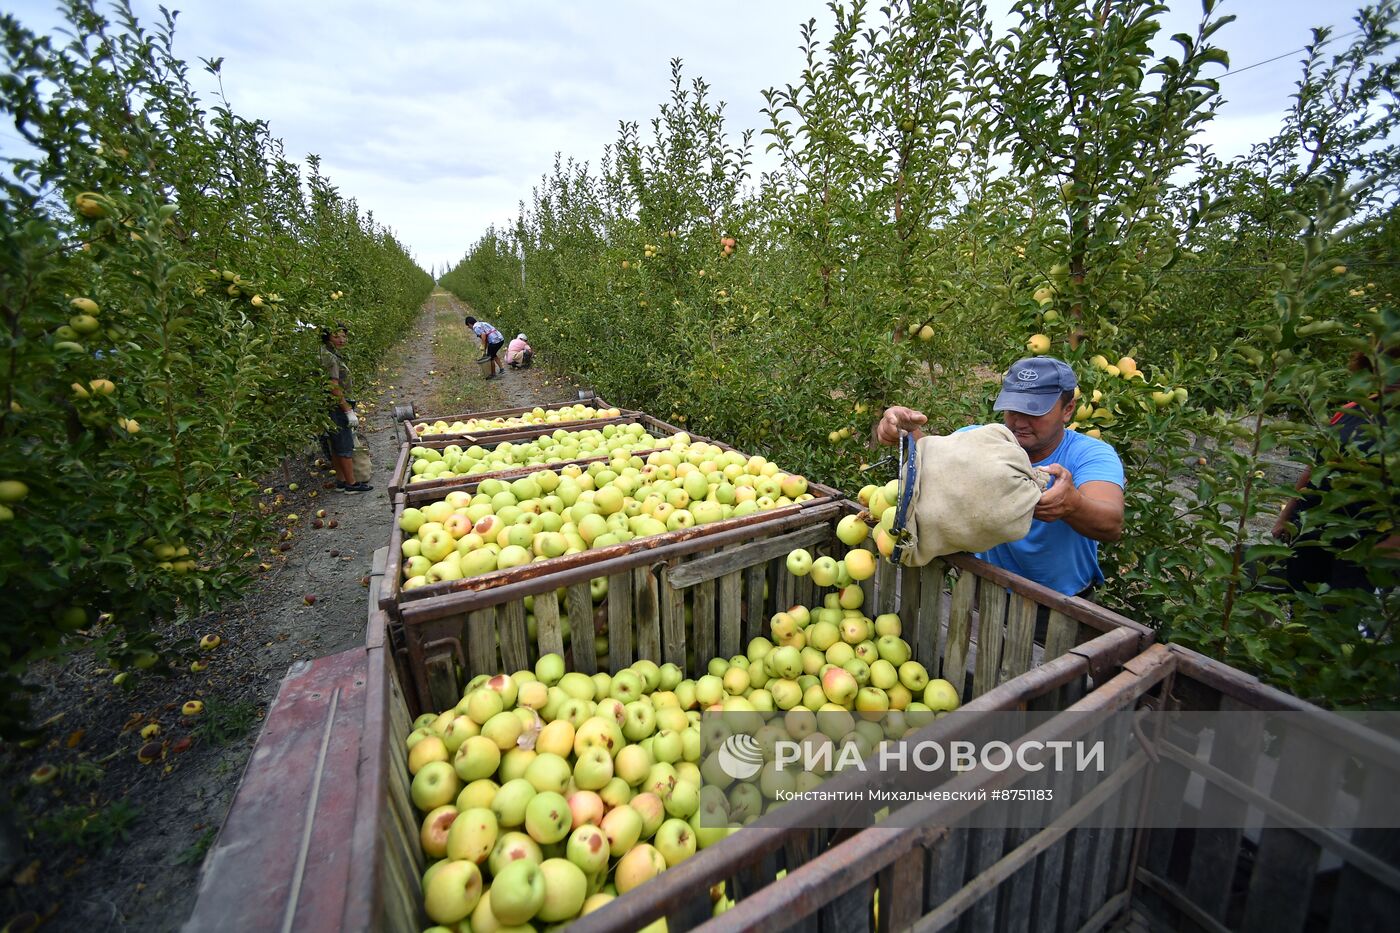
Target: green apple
{"points": [[623, 827], [548, 772], [840, 686], [824, 571], [453, 892], [432, 834], [513, 847], [594, 768], [941, 696], [511, 801], [518, 893], [588, 848], [913, 676], [676, 842], [652, 810], [852, 531], [639, 865], [548, 817], [565, 887], [473, 835], [799, 562], [435, 785]]}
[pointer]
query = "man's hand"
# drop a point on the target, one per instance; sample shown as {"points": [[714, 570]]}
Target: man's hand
{"points": [[1061, 499], [1095, 509], [896, 419], [352, 420]]}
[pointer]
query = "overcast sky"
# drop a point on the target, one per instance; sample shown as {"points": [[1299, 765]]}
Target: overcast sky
{"points": [[439, 115]]}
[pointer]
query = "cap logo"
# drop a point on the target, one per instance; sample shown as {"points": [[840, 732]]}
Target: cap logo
{"points": [[1027, 375]]}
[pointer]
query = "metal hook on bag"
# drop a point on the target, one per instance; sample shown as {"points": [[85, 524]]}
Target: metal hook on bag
{"points": [[908, 480]]}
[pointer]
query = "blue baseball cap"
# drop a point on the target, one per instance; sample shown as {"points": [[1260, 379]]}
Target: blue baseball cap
{"points": [[1033, 386]]}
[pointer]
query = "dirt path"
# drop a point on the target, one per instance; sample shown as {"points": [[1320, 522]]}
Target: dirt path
{"points": [[114, 844]]}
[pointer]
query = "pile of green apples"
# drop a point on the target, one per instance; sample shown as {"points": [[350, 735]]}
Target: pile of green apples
{"points": [[551, 513], [546, 794], [834, 656], [525, 420], [880, 503], [611, 440]]}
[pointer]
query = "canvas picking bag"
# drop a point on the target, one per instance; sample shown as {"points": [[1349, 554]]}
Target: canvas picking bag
{"points": [[364, 468], [973, 490]]}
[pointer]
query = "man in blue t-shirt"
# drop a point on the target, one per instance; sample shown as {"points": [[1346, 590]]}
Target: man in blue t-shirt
{"points": [[1084, 502]]}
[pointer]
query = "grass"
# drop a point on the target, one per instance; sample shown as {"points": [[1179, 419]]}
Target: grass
{"points": [[194, 854], [223, 723], [87, 828]]}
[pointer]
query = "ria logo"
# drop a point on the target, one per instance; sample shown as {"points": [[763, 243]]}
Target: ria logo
{"points": [[1027, 375], [740, 757]]}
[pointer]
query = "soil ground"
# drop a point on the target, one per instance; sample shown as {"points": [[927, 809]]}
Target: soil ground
{"points": [[114, 844]]}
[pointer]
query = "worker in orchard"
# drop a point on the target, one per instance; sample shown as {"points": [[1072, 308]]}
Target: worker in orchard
{"points": [[1082, 506], [341, 438], [491, 343], [519, 355]]}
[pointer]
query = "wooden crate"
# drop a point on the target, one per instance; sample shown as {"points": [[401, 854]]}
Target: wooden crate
{"points": [[409, 436], [353, 862], [453, 599], [1077, 875], [399, 481], [467, 630]]}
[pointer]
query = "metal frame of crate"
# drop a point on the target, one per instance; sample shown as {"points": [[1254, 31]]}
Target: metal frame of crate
{"points": [[410, 437], [941, 607], [399, 482], [322, 827], [1075, 874]]}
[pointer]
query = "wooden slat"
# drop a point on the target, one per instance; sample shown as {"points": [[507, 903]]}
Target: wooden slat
{"points": [[928, 622], [692, 911], [850, 912], [986, 845], [1168, 792], [1235, 750], [443, 689], [515, 646], [1015, 893], [759, 874], [1286, 864], [1361, 903], [580, 604], [945, 868], [620, 620], [798, 850], [714, 566], [646, 609], [702, 629], [991, 628], [884, 589], [805, 592], [755, 618], [782, 586], [954, 668], [1020, 637], [1097, 892], [909, 598], [901, 888], [672, 608], [550, 633], [730, 623], [481, 643], [1060, 634], [1049, 887]]}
